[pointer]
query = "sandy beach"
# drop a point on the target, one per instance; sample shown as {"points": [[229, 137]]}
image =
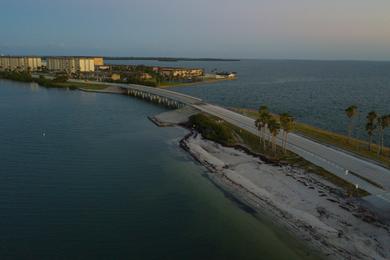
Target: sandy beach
{"points": [[311, 208]]}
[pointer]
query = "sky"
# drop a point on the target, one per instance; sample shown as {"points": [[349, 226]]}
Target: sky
{"points": [[269, 29]]}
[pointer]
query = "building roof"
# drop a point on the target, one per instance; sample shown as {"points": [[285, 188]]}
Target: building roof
{"points": [[19, 56]]}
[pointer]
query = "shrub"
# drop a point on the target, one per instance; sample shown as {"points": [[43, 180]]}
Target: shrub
{"points": [[212, 129]]}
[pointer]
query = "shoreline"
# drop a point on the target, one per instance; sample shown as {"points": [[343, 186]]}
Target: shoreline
{"points": [[310, 208], [203, 82], [49, 83], [382, 161], [341, 227]]}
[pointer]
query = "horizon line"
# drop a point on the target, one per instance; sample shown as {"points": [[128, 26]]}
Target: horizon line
{"points": [[202, 58]]}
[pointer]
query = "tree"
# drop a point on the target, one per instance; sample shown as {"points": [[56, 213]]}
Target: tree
{"points": [[371, 125], [259, 127], [383, 123], [274, 128], [351, 112], [287, 124], [61, 78], [262, 121]]}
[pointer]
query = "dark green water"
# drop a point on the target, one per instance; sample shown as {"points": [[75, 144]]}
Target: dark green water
{"points": [[87, 176]]}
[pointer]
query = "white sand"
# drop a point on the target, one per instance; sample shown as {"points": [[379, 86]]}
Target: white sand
{"points": [[174, 117], [310, 207]]}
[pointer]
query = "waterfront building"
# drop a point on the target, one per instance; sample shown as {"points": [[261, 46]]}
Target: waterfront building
{"points": [[21, 63], [63, 64], [99, 61], [180, 72], [85, 64], [71, 64]]}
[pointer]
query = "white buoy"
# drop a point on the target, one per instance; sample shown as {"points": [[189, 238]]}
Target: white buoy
{"points": [[43, 134]]}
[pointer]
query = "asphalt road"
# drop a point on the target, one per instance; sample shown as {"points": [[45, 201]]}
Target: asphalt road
{"points": [[330, 158]]}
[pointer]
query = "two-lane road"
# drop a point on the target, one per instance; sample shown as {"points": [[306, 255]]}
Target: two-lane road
{"points": [[331, 159], [349, 167]]}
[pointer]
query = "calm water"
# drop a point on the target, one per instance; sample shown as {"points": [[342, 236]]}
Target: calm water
{"points": [[315, 92], [88, 176]]}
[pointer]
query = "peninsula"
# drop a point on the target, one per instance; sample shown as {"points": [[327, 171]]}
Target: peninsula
{"points": [[95, 69]]}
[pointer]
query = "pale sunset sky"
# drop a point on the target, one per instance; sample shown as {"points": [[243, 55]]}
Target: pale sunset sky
{"points": [[280, 29]]}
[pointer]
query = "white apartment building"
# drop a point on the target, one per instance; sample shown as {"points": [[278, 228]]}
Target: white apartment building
{"points": [[71, 64], [86, 64], [20, 63]]}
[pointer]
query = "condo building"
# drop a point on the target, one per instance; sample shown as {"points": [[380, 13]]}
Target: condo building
{"points": [[71, 64], [20, 63]]}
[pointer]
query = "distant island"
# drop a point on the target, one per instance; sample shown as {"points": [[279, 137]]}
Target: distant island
{"points": [[169, 59]]}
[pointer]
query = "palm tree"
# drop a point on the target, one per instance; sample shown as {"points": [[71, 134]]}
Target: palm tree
{"points": [[383, 123], [351, 112], [266, 117], [263, 109], [262, 121], [287, 124], [371, 125], [259, 127], [274, 128]]}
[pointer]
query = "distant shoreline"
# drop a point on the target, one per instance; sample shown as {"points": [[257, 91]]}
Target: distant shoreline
{"points": [[167, 59]]}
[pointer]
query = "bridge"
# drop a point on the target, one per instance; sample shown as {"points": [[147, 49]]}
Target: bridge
{"points": [[365, 174]]}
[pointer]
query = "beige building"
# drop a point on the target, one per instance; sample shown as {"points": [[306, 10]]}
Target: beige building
{"points": [[85, 64], [71, 64], [20, 63], [99, 61], [66, 64]]}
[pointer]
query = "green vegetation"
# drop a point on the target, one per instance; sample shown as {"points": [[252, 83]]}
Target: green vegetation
{"points": [[287, 123], [59, 82], [71, 85], [351, 112], [213, 129], [370, 127], [383, 123], [150, 76], [137, 81], [350, 144], [379, 123], [224, 133], [17, 76], [168, 84]]}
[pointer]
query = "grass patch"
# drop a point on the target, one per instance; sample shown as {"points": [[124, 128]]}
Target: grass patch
{"points": [[169, 84], [226, 134], [89, 86], [353, 145]]}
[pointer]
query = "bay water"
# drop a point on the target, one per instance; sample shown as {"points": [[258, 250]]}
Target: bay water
{"points": [[88, 176]]}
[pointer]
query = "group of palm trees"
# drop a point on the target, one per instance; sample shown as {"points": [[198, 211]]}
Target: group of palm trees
{"points": [[375, 124], [266, 121]]}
